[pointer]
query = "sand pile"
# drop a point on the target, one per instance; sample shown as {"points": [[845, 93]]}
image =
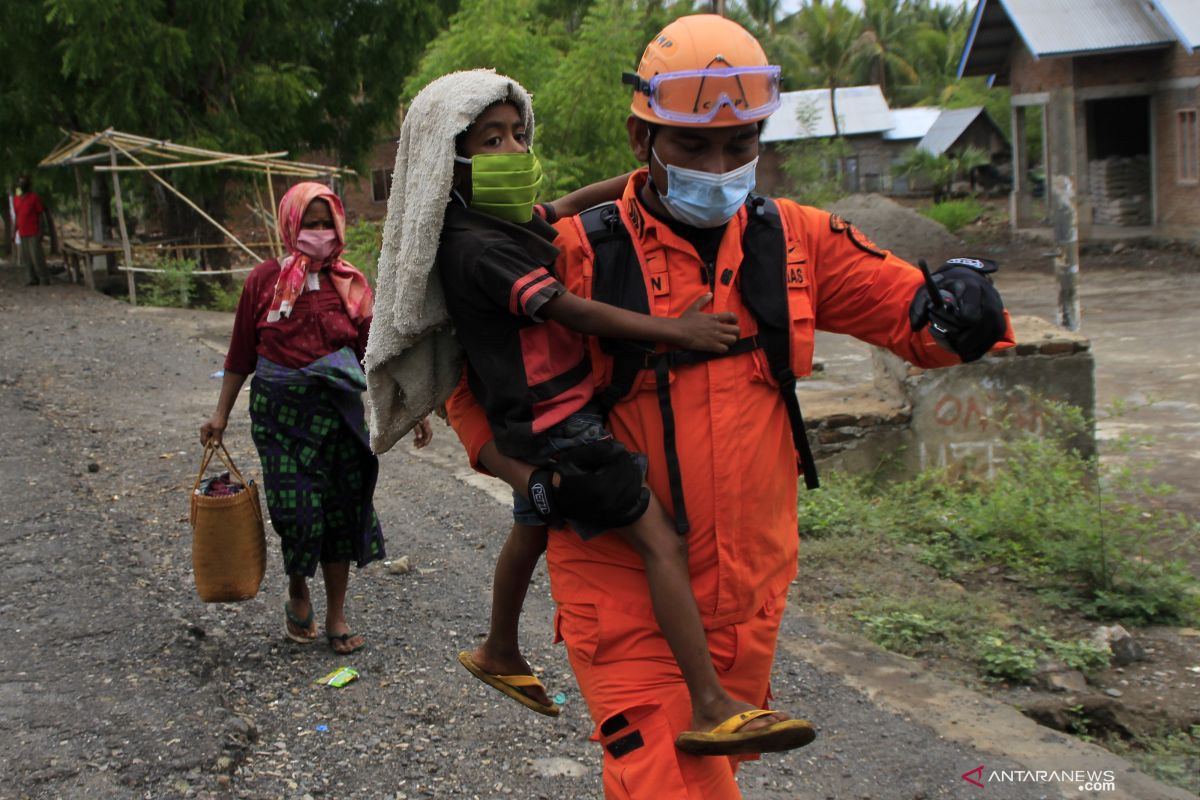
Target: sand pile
{"points": [[899, 229]]}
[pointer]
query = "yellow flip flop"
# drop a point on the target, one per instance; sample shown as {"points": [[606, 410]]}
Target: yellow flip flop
{"points": [[728, 738], [510, 685]]}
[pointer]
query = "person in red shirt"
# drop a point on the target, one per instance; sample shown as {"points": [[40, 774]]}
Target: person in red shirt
{"points": [[301, 327], [32, 220]]}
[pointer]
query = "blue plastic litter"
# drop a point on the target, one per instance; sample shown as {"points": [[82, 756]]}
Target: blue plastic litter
{"points": [[218, 374], [323, 728], [560, 698]]}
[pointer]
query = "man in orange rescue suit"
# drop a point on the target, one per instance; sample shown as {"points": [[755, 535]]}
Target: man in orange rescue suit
{"points": [[723, 439]]}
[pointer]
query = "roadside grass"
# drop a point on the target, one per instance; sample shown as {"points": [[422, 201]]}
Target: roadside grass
{"points": [[178, 286], [985, 579], [1171, 756], [954, 215], [1083, 537]]}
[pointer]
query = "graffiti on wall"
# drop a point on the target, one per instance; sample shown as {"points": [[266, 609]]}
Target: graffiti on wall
{"points": [[968, 428]]}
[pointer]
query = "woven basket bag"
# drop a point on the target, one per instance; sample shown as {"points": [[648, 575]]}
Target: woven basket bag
{"points": [[229, 549]]}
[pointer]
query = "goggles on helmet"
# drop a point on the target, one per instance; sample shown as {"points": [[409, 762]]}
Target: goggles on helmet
{"points": [[696, 96]]}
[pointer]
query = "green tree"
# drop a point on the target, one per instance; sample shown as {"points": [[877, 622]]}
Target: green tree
{"points": [[884, 60], [510, 36], [934, 51], [765, 13], [234, 75], [939, 15], [833, 41], [583, 106]]}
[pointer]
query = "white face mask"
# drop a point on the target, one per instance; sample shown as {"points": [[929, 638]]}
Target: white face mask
{"points": [[706, 199]]}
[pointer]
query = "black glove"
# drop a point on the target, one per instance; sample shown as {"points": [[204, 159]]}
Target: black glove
{"points": [[970, 317], [599, 483]]}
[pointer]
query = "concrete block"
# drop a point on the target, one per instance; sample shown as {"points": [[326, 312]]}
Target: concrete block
{"points": [[961, 417]]}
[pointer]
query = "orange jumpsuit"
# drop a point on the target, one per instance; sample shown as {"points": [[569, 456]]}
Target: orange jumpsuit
{"points": [[739, 474]]}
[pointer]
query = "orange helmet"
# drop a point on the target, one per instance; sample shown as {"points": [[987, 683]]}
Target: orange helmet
{"points": [[704, 71]]}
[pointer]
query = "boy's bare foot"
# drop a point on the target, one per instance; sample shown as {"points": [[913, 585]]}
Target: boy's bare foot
{"points": [[713, 714], [512, 663]]}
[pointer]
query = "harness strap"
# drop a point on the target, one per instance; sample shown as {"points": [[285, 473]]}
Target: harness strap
{"points": [[662, 363], [683, 358], [662, 377], [805, 461]]}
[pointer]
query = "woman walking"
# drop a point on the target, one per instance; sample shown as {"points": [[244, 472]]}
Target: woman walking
{"points": [[301, 328]]}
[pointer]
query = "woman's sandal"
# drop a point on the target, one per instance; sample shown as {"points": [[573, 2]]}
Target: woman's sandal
{"points": [[303, 624]]}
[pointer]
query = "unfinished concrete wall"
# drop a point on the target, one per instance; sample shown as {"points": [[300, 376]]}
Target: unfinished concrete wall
{"points": [[1178, 194], [958, 417]]}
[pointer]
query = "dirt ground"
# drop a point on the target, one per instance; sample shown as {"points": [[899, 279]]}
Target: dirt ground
{"points": [[116, 682]]}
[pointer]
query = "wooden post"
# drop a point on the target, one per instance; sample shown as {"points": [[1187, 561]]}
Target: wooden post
{"points": [[75, 272], [116, 180], [277, 245], [267, 216], [1064, 212], [1021, 199]]}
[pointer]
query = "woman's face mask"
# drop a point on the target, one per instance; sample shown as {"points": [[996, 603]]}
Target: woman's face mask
{"points": [[706, 199], [317, 243], [504, 185]]}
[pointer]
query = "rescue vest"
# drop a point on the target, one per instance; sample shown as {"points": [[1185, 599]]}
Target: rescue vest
{"points": [[617, 279]]}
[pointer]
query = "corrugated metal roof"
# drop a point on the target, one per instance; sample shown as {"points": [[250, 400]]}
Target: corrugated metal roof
{"points": [[1061, 27], [1184, 18], [950, 125], [911, 123], [806, 114]]}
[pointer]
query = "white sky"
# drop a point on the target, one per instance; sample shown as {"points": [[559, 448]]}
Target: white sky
{"points": [[788, 6]]}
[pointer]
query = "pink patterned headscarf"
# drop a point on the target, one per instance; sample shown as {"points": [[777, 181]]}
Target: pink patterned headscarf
{"points": [[351, 285]]}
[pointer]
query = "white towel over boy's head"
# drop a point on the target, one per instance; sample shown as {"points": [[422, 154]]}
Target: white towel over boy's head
{"points": [[413, 359]]}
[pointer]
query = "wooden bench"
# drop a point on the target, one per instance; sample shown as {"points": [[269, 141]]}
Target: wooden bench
{"points": [[78, 255]]}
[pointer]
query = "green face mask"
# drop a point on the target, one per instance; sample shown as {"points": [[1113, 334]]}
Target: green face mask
{"points": [[505, 185]]}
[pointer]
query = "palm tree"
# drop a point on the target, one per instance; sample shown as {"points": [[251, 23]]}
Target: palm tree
{"points": [[938, 16], [889, 29], [933, 51], [833, 39], [765, 13]]}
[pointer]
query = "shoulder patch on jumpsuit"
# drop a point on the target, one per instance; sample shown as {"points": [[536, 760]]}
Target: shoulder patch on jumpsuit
{"points": [[839, 224]]}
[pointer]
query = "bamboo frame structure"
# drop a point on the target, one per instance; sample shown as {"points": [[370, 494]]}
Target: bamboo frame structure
{"points": [[161, 155]]}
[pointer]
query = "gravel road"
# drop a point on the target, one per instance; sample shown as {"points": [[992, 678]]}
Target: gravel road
{"points": [[116, 682]]}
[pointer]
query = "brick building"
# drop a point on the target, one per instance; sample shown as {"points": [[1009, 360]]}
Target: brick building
{"points": [[1118, 84]]}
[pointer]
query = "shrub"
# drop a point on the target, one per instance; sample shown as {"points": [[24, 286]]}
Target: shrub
{"points": [[1003, 661], [953, 215], [841, 508], [811, 169], [900, 631], [172, 288], [1080, 654], [1089, 538], [364, 240]]}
